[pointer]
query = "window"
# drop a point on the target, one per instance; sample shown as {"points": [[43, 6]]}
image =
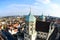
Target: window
{"points": [[25, 35], [29, 36], [25, 39], [45, 34], [41, 33], [51, 28], [31, 29]]}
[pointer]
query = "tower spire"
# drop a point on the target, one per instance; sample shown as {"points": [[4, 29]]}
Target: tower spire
{"points": [[30, 11], [42, 13]]}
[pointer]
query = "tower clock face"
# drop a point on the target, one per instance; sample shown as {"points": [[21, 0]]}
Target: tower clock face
{"points": [[31, 23]]}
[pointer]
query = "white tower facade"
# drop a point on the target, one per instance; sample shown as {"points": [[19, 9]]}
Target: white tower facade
{"points": [[30, 33]]}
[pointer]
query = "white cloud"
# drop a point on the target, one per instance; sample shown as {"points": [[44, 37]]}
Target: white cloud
{"points": [[44, 1], [48, 8], [54, 9]]}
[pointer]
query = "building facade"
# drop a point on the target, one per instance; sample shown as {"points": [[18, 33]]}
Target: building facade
{"points": [[39, 30], [45, 30], [30, 33]]}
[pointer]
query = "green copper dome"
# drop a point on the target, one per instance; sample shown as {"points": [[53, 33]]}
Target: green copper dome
{"points": [[30, 17]]}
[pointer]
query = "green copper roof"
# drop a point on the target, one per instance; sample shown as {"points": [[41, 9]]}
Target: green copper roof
{"points": [[41, 17], [30, 17]]}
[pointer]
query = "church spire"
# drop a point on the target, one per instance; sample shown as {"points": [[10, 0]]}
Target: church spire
{"points": [[30, 11], [42, 14]]}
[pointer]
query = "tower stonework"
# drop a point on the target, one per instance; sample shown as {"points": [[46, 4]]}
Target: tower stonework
{"points": [[30, 33]]}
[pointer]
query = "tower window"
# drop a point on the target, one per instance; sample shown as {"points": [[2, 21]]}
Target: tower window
{"points": [[31, 29]]}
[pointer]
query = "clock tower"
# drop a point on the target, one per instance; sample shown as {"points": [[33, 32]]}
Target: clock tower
{"points": [[30, 33]]}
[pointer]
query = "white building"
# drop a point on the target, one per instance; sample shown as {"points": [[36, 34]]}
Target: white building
{"points": [[39, 30], [30, 33], [45, 30]]}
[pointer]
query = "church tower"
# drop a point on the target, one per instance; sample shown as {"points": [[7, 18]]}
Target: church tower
{"points": [[30, 33], [42, 17]]}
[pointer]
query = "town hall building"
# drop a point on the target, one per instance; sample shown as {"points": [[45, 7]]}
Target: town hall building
{"points": [[39, 30]]}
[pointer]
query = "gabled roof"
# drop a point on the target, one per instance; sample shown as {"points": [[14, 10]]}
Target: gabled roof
{"points": [[42, 26]]}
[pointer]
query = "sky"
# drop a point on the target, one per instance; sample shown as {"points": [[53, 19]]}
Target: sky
{"points": [[23, 7]]}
